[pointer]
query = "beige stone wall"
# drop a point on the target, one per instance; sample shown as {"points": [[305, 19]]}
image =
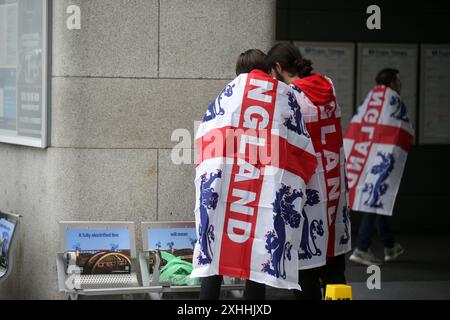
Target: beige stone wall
{"points": [[137, 70]]}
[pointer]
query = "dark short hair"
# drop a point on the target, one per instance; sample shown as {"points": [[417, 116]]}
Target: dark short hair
{"points": [[251, 59], [290, 59], [386, 76]]}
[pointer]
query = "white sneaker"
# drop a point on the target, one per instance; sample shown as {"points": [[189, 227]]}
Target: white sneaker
{"points": [[366, 258], [391, 254]]}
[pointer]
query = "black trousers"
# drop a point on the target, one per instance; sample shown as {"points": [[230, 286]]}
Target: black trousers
{"points": [[210, 289], [312, 280], [366, 230]]}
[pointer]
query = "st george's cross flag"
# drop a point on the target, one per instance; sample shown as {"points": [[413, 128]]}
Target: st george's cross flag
{"points": [[254, 159], [376, 147], [326, 223]]}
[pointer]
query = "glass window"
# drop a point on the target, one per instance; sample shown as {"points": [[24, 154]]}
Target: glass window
{"points": [[23, 72]]}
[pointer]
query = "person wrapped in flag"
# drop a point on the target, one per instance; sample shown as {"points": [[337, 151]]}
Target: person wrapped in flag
{"points": [[376, 147], [254, 159], [325, 225]]}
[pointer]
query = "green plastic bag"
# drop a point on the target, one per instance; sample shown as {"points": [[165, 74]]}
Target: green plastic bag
{"points": [[177, 272]]}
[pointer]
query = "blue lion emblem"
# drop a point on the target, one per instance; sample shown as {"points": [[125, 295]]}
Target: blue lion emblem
{"points": [[383, 170], [310, 231], [295, 121], [346, 220], [215, 108], [276, 245], [296, 88], [208, 201], [400, 113], [347, 189]]}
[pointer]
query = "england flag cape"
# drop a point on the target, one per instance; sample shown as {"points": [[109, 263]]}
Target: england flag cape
{"points": [[254, 158], [326, 222], [376, 146]]}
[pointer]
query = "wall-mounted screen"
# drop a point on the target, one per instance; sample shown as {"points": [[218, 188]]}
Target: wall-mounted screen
{"points": [[435, 94]]}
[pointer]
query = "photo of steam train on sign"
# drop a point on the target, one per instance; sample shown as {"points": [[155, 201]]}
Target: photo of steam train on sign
{"points": [[179, 242], [104, 262], [100, 251]]}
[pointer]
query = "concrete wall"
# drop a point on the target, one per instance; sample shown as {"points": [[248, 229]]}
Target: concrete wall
{"points": [[137, 70], [425, 162]]}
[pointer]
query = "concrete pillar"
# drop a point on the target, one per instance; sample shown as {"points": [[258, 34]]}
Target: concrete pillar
{"points": [[137, 70]]}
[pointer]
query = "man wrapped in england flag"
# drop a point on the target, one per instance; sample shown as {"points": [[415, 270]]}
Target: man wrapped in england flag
{"points": [[255, 157]]}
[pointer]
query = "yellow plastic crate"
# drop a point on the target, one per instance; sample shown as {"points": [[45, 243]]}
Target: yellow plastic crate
{"points": [[338, 292]]}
